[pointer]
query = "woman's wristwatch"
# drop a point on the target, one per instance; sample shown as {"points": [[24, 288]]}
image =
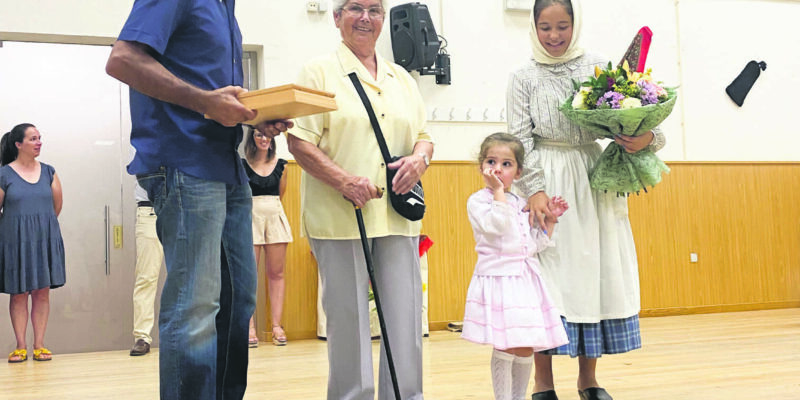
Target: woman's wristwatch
{"points": [[425, 158]]}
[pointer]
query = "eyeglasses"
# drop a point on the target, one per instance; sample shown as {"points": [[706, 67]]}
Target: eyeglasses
{"points": [[260, 136], [357, 10]]}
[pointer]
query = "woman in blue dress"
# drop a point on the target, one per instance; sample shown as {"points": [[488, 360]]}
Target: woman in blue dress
{"points": [[31, 248]]}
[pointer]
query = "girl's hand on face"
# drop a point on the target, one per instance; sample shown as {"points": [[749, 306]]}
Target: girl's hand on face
{"points": [[492, 180]]}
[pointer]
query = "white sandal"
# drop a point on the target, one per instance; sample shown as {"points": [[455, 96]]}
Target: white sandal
{"points": [[276, 340]]}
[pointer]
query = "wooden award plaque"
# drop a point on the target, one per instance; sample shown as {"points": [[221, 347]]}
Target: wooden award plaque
{"points": [[287, 102]]}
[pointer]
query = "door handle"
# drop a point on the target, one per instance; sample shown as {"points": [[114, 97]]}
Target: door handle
{"points": [[107, 227]]}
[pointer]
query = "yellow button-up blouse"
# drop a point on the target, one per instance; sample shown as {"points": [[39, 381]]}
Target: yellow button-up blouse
{"points": [[346, 136]]}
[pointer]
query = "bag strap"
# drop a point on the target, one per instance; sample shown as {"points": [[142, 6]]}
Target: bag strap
{"points": [[387, 158]]}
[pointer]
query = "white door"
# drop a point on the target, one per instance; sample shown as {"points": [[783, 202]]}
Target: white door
{"points": [[63, 90]]}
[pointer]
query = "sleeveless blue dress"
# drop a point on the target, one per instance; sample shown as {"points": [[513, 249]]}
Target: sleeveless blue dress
{"points": [[31, 247]]}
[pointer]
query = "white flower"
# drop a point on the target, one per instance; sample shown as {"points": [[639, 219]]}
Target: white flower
{"points": [[630, 102], [578, 102]]}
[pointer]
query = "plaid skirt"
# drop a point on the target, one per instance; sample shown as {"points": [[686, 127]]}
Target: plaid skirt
{"points": [[610, 336]]}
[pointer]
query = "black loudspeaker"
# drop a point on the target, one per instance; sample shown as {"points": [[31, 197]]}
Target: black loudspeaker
{"points": [[414, 40]]}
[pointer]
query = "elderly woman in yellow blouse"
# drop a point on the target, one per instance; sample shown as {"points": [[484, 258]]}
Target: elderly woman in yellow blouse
{"points": [[343, 166]]}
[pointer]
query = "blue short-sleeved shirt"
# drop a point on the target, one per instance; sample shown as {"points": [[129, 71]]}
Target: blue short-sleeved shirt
{"points": [[199, 42]]}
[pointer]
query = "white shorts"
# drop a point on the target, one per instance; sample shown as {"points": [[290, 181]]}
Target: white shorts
{"points": [[270, 224]]}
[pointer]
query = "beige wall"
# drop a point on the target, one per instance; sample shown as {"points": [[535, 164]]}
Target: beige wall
{"points": [[485, 41]]}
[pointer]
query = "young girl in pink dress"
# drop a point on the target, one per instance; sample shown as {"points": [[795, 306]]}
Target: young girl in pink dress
{"points": [[507, 303]]}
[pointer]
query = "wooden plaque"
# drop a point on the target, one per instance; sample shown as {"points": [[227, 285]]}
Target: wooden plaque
{"points": [[286, 102]]}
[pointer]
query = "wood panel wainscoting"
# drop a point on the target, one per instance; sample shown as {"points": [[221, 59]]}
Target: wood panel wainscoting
{"points": [[741, 219]]}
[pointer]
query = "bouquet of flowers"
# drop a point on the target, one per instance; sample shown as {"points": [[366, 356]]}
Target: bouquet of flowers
{"points": [[621, 102]]}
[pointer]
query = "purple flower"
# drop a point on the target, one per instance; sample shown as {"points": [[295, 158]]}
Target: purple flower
{"points": [[649, 92], [610, 99], [610, 82]]}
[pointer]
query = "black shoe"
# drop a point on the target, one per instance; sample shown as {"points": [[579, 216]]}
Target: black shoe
{"points": [[546, 395], [594, 393], [455, 326], [140, 348]]}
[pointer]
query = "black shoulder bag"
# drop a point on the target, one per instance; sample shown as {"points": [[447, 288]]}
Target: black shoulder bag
{"points": [[410, 205]]}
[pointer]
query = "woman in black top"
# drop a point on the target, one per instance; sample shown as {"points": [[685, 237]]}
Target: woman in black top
{"points": [[271, 231]]}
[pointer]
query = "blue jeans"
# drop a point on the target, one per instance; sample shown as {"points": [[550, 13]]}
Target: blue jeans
{"points": [[210, 289]]}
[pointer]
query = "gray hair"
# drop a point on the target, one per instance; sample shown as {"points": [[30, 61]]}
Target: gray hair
{"points": [[338, 5]]}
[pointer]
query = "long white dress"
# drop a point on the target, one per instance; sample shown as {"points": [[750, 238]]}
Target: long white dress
{"points": [[593, 273]]}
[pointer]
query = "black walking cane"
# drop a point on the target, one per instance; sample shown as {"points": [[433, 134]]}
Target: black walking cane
{"points": [[371, 271]]}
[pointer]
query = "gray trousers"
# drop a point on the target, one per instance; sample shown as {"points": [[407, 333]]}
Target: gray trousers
{"points": [[345, 287]]}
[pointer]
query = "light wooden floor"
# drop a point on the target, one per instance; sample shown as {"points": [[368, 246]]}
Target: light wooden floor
{"points": [[746, 355]]}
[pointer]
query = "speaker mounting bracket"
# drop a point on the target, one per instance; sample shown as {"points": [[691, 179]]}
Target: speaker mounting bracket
{"points": [[441, 69]]}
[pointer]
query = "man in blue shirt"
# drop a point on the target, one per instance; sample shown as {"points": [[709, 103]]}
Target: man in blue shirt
{"points": [[182, 60]]}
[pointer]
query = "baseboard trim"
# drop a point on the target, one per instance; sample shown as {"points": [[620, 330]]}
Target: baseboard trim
{"points": [[671, 311], [438, 326]]}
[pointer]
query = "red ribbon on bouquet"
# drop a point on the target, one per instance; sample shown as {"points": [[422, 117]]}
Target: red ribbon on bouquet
{"points": [[637, 51]]}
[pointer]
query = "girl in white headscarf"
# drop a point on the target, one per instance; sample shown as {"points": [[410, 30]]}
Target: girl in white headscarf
{"points": [[592, 273]]}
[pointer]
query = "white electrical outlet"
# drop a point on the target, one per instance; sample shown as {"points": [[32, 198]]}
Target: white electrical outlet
{"points": [[312, 6], [693, 257]]}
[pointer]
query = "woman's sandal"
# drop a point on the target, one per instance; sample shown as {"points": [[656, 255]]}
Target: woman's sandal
{"points": [[17, 356], [42, 354], [252, 342], [278, 340]]}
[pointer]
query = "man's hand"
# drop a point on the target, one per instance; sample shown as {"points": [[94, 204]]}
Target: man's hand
{"points": [[222, 105]]}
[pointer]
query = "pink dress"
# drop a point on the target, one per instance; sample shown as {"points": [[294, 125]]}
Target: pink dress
{"points": [[507, 303]]}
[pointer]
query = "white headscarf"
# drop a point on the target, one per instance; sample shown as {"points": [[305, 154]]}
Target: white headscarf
{"points": [[574, 50]]}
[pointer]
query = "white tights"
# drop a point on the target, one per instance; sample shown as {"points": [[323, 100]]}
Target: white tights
{"points": [[510, 375]]}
